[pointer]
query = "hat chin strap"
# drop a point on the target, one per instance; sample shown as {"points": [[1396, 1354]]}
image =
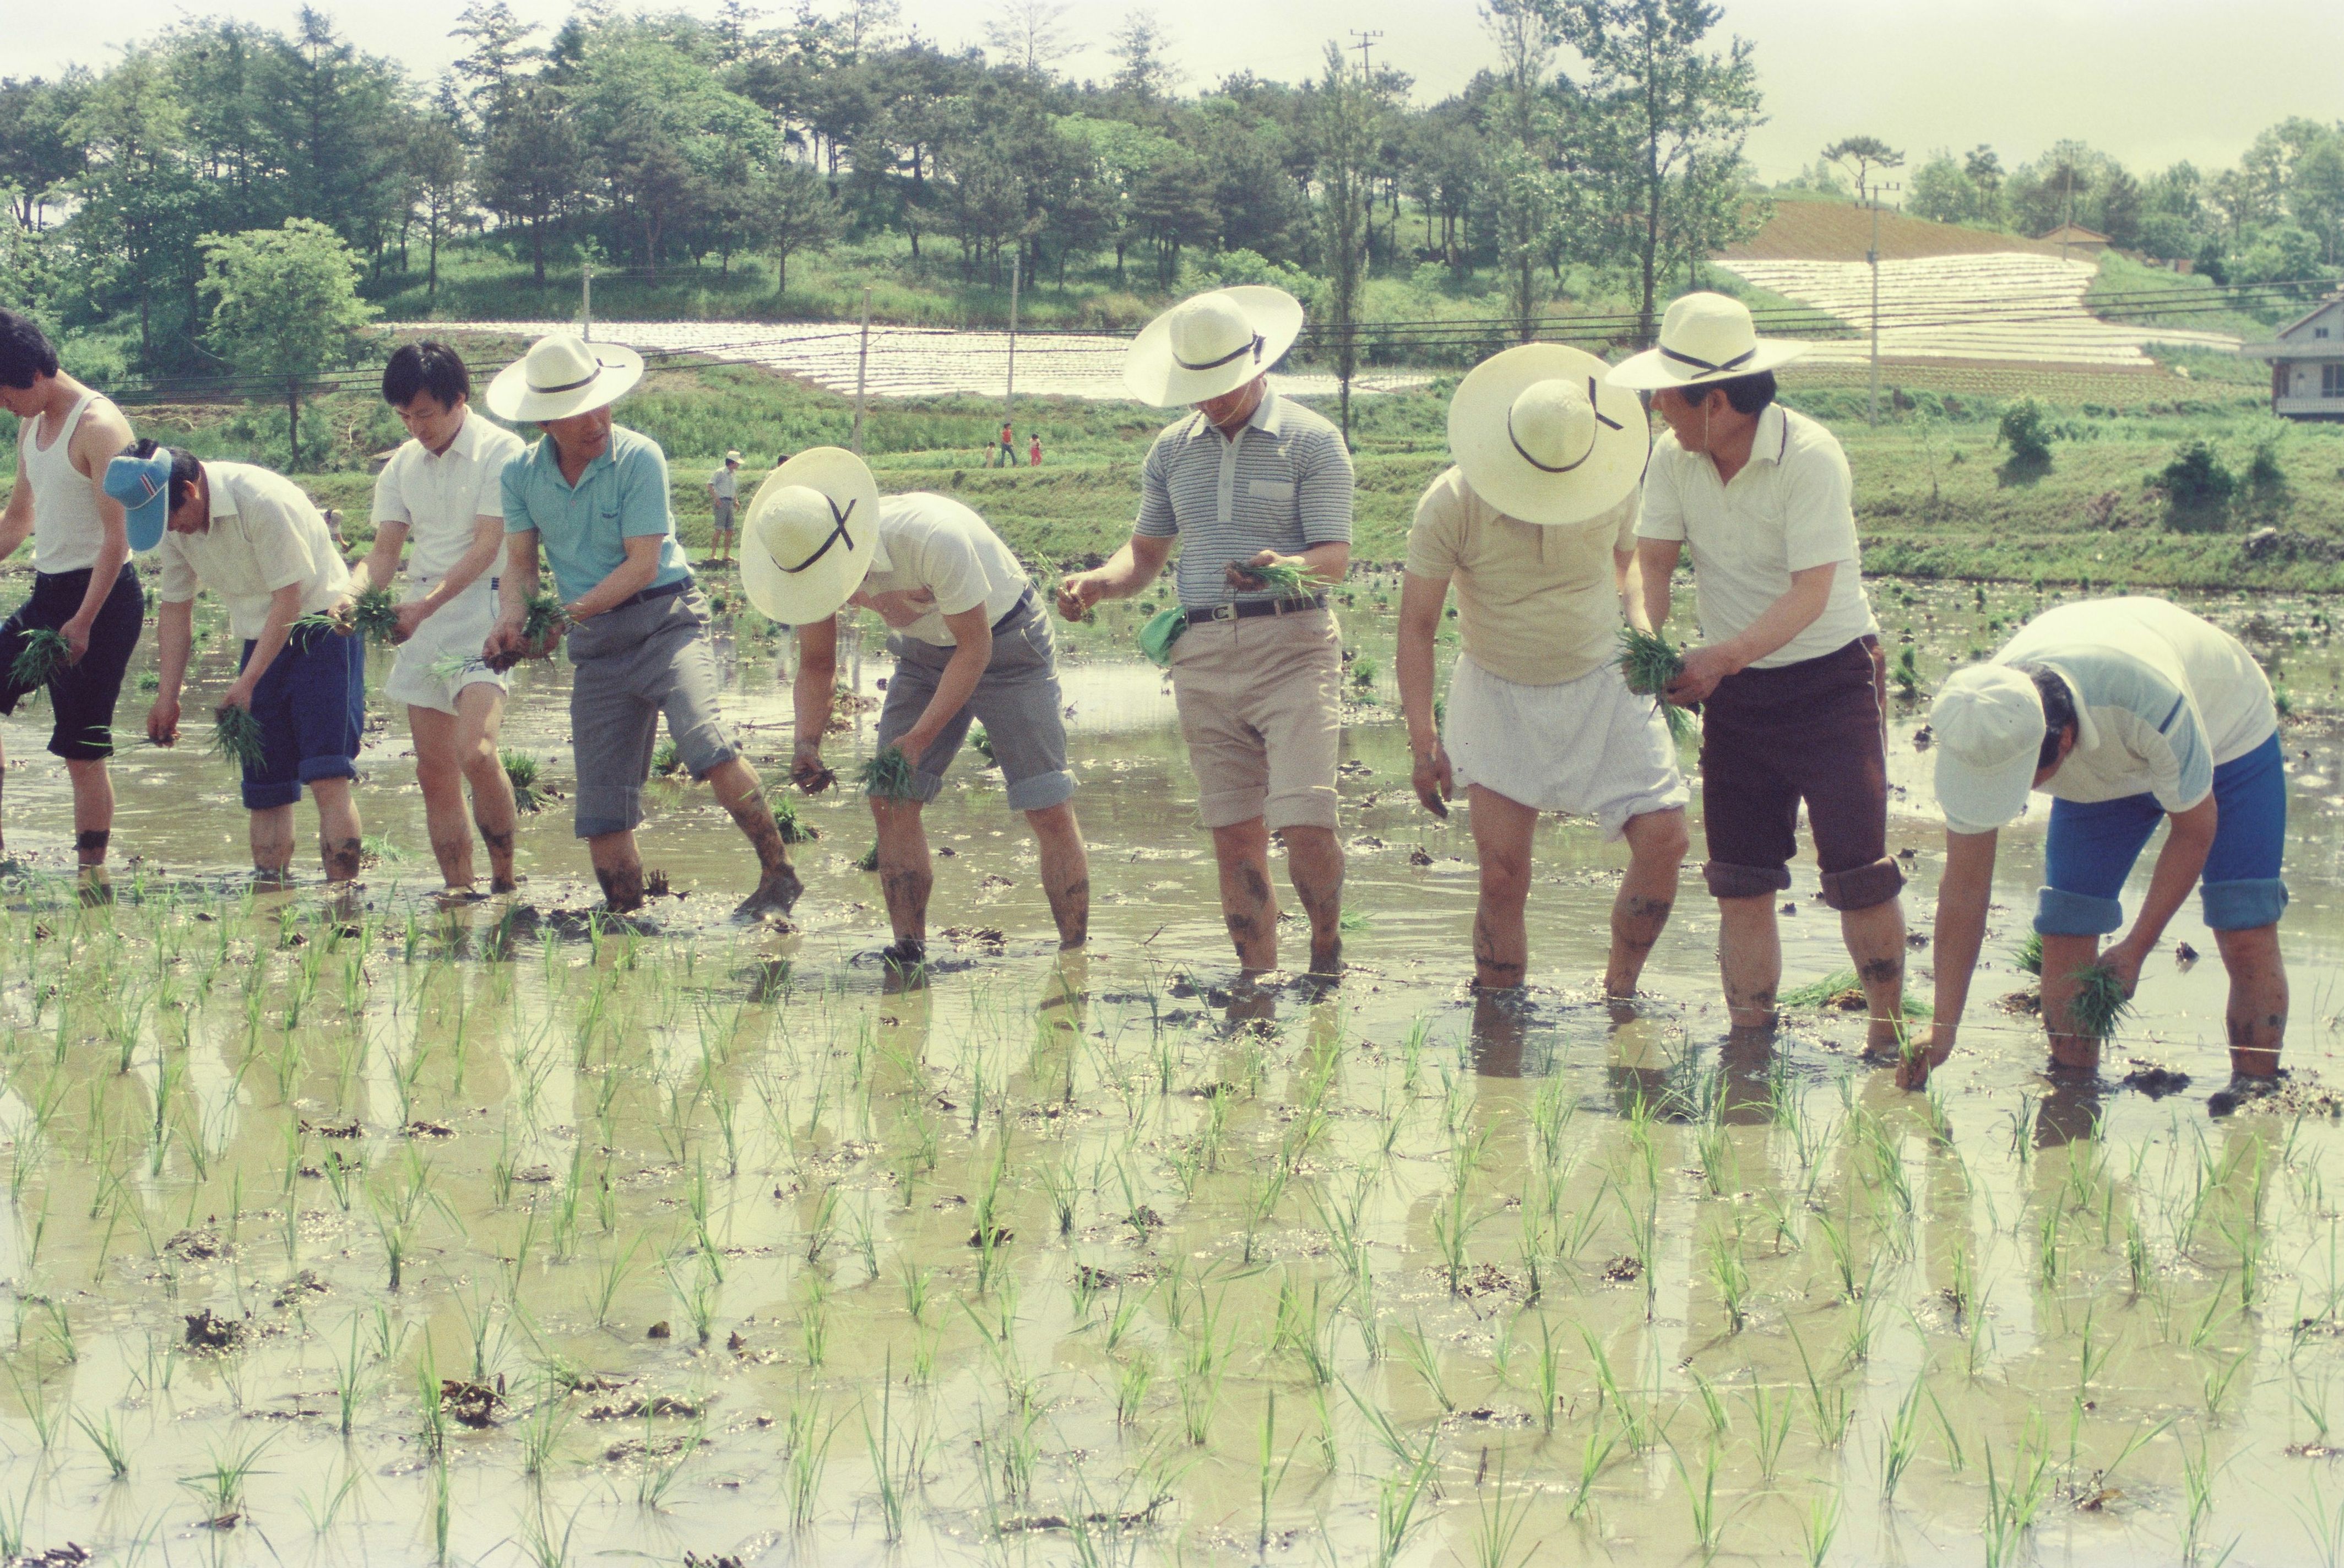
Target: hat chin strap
{"points": [[1601, 419], [837, 531], [1235, 354], [1703, 365]]}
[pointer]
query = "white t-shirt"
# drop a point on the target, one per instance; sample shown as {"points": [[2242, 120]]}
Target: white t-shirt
{"points": [[725, 483], [1791, 508], [441, 497], [2162, 699], [932, 541], [264, 536]]}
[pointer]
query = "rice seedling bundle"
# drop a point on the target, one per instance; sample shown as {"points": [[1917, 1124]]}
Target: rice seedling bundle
{"points": [[1647, 662], [42, 656], [451, 666], [2099, 1004], [2028, 955], [524, 773], [793, 829], [236, 736], [889, 777], [1279, 577], [375, 614], [542, 616]]}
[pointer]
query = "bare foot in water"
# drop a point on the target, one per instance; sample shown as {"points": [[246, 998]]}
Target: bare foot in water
{"points": [[775, 897]]}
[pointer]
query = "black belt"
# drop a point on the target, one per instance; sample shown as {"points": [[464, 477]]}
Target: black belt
{"points": [[1025, 602], [652, 595], [41, 578], [1253, 607]]}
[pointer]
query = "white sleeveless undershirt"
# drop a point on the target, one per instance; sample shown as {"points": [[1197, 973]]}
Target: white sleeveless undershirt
{"points": [[67, 532]]}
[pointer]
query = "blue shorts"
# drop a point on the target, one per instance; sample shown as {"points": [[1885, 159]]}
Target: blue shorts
{"points": [[2091, 850], [311, 704]]}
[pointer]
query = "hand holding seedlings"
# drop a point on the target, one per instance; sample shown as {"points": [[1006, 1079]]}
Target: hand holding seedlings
{"points": [[889, 777], [44, 653], [806, 769], [2103, 996], [1077, 593], [1286, 575], [236, 736], [1650, 664], [543, 619]]}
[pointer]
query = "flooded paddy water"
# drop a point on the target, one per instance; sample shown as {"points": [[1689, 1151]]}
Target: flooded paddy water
{"points": [[403, 1235]]}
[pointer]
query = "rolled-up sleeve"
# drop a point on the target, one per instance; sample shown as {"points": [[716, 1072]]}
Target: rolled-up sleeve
{"points": [[1157, 518], [1322, 491], [179, 583]]}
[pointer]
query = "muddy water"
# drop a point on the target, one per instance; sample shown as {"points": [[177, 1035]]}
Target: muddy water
{"points": [[712, 1242]]}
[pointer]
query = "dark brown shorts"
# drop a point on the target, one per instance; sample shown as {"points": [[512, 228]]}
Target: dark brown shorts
{"points": [[1815, 731]]}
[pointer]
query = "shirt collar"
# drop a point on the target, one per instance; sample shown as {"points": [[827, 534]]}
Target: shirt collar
{"points": [[1771, 442], [466, 444], [1268, 416], [223, 499], [548, 457]]}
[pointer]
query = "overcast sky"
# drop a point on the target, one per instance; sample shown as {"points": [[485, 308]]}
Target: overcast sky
{"points": [[2147, 80]]}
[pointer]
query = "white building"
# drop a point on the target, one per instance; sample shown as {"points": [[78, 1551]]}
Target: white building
{"points": [[2307, 363]]}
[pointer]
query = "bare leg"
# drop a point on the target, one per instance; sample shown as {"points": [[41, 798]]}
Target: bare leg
{"points": [[442, 779], [735, 786], [1065, 871], [1656, 848], [1249, 906], [272, 843], [1750, 958], [1314, 864], [1876, 940], [480, 719], [337, 829], [2257, 1015], [907, 874], [2063, 957], [92, 792], [1503, 832], [619, 868]]}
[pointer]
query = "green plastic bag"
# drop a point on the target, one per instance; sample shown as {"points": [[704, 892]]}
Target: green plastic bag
{"points": [[1163, 630]]}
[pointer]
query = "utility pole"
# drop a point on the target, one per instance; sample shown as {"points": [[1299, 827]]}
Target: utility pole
{"points": [[1871, 405], [1009, 393], [1367, 40], [586, 301], [862, 365]]}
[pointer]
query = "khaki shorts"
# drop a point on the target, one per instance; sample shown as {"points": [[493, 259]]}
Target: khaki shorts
{"points": [[1262, 707]]}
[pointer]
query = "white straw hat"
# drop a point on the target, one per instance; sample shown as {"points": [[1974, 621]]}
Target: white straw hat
{"points": [[1541, 438], [1211, 344], [563, 375], [1703, 338], [1988, 720], [812, 527]]}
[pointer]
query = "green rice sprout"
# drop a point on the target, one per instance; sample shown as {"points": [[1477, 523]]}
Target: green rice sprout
{"points": [[525, 774], [1647, 662], [889, 777], [1279, 577], [794, 829], [42, 656], [2099, 1004], [236, 736], [543, 616], [451, 666], [375, 614], [870, 861], [2028, 955]]}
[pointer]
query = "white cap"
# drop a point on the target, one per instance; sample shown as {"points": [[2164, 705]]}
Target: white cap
{"points": [[1988, 720]]}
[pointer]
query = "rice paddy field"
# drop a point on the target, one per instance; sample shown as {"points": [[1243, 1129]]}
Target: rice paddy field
{"points": [[397, 1234]]}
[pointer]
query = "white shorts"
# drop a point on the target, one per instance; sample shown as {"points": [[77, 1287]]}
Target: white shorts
{"points": [[1590, 748], [460, 627]]}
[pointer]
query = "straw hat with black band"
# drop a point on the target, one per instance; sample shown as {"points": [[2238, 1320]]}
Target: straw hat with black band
{"points": [[1540, 436], [1211, 345], [812, 527], [1703, 338], [562, 375]]}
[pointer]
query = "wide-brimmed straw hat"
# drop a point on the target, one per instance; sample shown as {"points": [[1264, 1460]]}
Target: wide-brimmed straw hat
{"points": [[1540, 437], [1703, 338], [1211, 344], [812, 527], [563, 375]]}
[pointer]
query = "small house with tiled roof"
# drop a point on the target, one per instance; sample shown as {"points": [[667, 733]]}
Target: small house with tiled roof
{"points": [[2307, 361]]}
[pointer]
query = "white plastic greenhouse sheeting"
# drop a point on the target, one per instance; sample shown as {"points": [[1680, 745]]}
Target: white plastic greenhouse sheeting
{"points": [[2008, 305], [915, 362]]}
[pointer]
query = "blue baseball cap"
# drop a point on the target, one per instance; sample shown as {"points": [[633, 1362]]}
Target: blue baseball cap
{"points": [[143, 486]]}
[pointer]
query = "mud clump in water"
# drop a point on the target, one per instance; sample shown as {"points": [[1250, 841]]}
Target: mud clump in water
{"points": [[2154, 1080], [474, 1404], [209, 1332]]}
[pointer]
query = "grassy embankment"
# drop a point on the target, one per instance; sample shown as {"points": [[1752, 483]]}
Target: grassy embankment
{"points": [[1934, 495]]}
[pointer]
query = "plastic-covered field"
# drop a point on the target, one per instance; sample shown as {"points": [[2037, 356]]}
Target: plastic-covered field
{"points": [[2005, 306], [917, 361]]}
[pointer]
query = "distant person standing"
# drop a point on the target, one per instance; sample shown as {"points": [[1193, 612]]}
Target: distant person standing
{"points": [[444, 490], [1008, 445], [1249, 480], [83, 587], [593, 496], [255, 540], [724, 495], [1792, 679], [1034, 452]]}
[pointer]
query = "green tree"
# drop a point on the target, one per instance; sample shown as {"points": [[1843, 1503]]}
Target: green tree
{"points": [[1862, 156], [794, 211], [434, 158], [532, 168], [285, 305], [1345, 126]]}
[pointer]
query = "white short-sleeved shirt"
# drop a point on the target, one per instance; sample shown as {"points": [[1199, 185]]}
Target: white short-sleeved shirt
{"points": [[727, 484], [441, 497], [1791, 508], [264, 535], [2162, 699], [932, 541]]}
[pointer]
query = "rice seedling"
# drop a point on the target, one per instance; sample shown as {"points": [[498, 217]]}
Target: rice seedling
{"points": [[542, 615], [2100, 1003], [1647, 662], [1820, 1527], [1900, 1439], [889, 775], [374, 615], [1279, 577], [2028, 955], [527, 777], [235, 737], [43, 653]]}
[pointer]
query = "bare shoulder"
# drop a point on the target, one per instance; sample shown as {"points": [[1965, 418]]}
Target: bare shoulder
{"points": [[104, 432]]}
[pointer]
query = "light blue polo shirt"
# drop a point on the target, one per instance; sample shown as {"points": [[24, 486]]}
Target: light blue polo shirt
{"points": [[583, 529]]}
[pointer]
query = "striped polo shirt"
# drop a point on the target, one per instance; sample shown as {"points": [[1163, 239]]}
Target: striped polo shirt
{"points": [[1284, 483]]}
